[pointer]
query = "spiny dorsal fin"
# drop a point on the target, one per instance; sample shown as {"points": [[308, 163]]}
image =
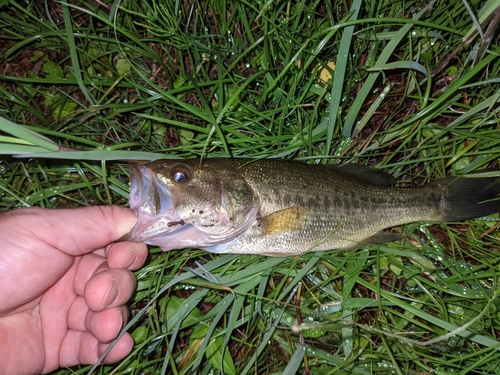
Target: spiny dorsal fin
{"points": [[286, 220]]}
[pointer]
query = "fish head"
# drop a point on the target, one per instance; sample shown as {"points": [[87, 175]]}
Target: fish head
{"points": [[189, 203]]}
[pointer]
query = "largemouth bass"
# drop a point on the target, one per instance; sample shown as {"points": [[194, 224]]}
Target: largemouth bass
{"points": [[280, 208]]}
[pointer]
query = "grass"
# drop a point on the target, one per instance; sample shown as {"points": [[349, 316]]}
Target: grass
{"points": [[409, 87]]}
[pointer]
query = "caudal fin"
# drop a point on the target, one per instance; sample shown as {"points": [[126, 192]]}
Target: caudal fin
{"points": [[469, 197]]}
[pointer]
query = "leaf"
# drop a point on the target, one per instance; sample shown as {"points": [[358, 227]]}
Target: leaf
{"points": [[88, 155], [53, 191], [52, 70], [399, 65], [172, 304], [218, 354], [123, 67], [140, 334], [27, 135], [295, 362]]}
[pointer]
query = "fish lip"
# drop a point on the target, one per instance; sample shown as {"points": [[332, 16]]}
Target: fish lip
{"points": [[143, 197], [136, 184], [151, 201]]}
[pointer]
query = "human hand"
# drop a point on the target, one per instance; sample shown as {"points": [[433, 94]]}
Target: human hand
{"points": [[64, 285]]}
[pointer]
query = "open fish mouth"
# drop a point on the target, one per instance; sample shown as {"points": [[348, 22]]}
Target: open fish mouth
{"points": [[179, 205], [152, 202]]}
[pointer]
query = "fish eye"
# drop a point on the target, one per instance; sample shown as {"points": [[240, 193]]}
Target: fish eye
{"points": [[180, 173]]}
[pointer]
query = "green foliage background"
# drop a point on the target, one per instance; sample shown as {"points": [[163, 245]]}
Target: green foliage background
{"points": [[409, 87]]}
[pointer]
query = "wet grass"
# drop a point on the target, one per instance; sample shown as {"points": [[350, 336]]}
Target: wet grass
{"points": [[410, 88]]}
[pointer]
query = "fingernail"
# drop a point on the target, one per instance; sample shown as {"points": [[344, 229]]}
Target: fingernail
{"points": [[129, 259], [127, 223], [111, 294], [122, 324]]}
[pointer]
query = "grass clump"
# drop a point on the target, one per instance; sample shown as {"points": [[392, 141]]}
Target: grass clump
{"points": [[412, 88]]}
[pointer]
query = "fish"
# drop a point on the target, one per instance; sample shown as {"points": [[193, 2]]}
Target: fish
{"points": [[287, 208]]}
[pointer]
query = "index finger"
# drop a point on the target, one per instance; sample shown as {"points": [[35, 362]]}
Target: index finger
{"points": [[77, 231]]}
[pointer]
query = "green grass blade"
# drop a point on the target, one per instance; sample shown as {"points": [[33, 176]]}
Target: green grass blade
{"points": [[27, 136], [370, 81], [339, 75]]}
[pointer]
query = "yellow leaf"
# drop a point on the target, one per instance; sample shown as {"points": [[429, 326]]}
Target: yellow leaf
{"points": [[325, 74]]}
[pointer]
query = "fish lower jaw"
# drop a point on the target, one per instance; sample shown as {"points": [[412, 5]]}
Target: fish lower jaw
{"points": [[154, 226], [186, 237]]}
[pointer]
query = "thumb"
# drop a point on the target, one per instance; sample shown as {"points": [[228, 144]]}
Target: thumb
{"points": [[78, 231]]}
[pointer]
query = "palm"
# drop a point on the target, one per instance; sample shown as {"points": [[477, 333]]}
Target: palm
{"points": [[60, 308]]}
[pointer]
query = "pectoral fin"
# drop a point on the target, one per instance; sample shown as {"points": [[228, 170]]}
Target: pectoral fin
{"points": [[287, 220]]}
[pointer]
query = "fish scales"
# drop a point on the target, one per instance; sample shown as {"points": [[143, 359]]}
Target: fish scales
{"points": [[279, 208], [340, 207]]}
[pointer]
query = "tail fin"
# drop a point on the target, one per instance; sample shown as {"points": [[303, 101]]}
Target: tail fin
{"points": [[469, 197]]}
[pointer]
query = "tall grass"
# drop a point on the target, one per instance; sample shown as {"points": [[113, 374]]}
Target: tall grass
{"points": [[409, 87]]}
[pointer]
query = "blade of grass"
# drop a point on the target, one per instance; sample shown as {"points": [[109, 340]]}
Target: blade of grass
{"points": [[339, 75], [370, 81], [27, 136]]}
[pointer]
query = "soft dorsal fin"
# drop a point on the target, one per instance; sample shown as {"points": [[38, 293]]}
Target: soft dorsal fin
{"points": [[368, 174]]}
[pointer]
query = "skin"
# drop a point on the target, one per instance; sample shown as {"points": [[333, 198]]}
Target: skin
{"points": [[64, 285]]}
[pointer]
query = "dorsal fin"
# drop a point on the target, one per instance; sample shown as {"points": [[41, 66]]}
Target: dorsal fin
{"points": [[367, 174]]}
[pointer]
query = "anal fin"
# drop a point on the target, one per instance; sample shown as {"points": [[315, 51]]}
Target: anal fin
{"points": [[382, 237]]}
